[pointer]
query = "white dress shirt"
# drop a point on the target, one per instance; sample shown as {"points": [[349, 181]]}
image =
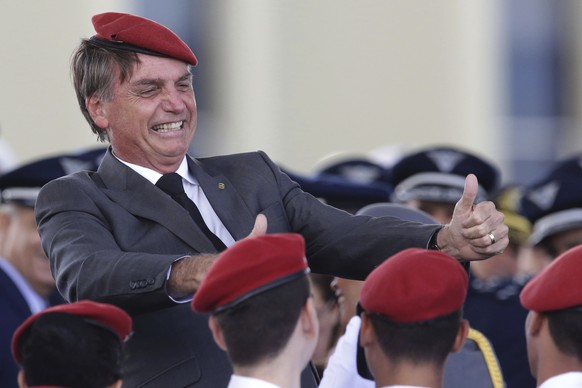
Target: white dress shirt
{"points": [[248, 382], [565, 380], [341, 370], [195, 193]]}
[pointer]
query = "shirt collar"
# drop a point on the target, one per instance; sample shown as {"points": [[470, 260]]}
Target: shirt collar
{"points": [[237, 381], [154, 176]]}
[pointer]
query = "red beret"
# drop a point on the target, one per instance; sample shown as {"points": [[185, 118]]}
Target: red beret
{"points": [[557, 286], [105, 314], [137, 34], [415, 285], [249, 267]]}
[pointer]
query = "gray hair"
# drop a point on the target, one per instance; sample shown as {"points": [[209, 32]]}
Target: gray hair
{"points": [[94, 69]]}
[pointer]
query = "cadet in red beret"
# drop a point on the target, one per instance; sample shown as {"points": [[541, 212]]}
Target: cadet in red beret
{"points": [[554, 324], [411, 309], [72, 345], [262, 314], [143, 230]]}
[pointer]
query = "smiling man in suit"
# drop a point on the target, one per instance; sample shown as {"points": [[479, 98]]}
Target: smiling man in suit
{"points": [[142, 231]]}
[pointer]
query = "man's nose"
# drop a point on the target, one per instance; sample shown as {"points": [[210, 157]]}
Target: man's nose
{"points": [[173, 102]]}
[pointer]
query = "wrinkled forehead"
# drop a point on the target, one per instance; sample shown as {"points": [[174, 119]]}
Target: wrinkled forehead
{"points": [[155, 68]]}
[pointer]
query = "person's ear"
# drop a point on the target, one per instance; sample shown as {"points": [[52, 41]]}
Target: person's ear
{"points": [[462, 334], [5, 218], [97, 111], [536, 322], [308, 319], [367, 335], [21, 379], [216, 333]]}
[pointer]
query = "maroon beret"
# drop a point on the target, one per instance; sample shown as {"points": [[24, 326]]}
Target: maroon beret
{"points": [[114, 318], [415, 285], [137, 34], [557, 286], [249, 267]]}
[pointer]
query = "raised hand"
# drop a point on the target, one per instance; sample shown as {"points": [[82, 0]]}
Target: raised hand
{"points": [[476, 231], [260, 227]]}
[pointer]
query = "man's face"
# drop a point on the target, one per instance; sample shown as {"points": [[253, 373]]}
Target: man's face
{"points": [[560, 242], [152, 117], [21, 246], [348, 294]]}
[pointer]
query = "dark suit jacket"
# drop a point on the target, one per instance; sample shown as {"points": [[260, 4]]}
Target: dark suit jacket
{"points": [[494, 309], [112, 236], [13, 311]]}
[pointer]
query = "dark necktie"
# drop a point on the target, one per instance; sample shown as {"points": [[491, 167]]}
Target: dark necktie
{"points": [[171, 184]]}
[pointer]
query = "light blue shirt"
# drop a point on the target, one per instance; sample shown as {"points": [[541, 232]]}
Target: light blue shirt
{"points": [[35, 302]]}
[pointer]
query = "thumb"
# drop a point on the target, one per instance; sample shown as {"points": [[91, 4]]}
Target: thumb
{"points": [[469, 194], [260, 227]]}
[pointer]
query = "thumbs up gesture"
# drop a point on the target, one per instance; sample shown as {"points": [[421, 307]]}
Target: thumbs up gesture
{"points": [[476, 231]]}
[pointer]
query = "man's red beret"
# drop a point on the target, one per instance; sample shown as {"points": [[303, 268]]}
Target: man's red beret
{"points": [[137, 34], [415, 285], [114, 318], [557, 286], [249, 267]]}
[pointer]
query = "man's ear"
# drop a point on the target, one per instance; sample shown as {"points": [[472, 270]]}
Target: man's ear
{"points": [[308, 319], [21, 379], [97, 111], [216, 333], [461, 336], [367, 335], [536, 322], [5, 218]]}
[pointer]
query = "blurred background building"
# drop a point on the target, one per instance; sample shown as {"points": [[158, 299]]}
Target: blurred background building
{"points": [[306, 79]]}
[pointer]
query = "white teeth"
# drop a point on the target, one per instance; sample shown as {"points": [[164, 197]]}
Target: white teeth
{"points": [[168, 126]]}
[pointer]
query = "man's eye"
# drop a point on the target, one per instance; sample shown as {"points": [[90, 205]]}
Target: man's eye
{"points": [[185, 86], [147, 92]]}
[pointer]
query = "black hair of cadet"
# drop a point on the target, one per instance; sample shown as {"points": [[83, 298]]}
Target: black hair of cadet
{"points": [[260, 327], [420, 342], [566, 330], [68, 350]]}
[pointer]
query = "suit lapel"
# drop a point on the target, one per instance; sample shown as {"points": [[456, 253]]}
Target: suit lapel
{"points": [[141, 198], [225, 200]]}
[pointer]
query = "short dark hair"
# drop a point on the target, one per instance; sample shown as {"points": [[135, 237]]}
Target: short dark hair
{"points": [[94, 69], [67, 350], [417, 342], [566, 330], [260, 327]]}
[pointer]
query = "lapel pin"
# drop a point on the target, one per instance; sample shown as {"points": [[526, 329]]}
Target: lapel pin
{"points": [[221, 186]]}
